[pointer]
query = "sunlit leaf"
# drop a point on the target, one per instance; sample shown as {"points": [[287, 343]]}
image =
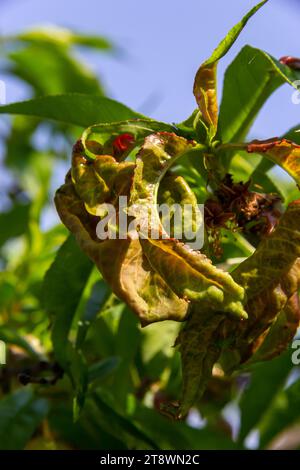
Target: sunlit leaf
{"points": [[249, 81], [62, 37], [73, 108], [280, 151], [51, 70], [205, 86]]}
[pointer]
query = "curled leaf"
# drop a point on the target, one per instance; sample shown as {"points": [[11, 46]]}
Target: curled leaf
{"points": [[274, 256], [271, 278], [119, 138], [280, 151], [160, 277], [205, 85]]}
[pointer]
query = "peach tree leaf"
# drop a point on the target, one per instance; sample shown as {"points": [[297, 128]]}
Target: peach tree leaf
{"points": [[190, 274], [104, 134], [205, 85], [240, 104], [127, 272], [280, 151], [274, 256], [277, 337], [271, 279]]}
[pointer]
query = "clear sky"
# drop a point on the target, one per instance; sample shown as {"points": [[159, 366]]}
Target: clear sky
{"points": [[165, 41]]}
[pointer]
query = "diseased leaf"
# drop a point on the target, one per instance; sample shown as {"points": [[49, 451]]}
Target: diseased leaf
{"points": [[129, 275], [274, 256], [285, 315], [157, 278], [199, 350], [105, 135], [205, 86], [270, 277], [189, 274], [280, 151]]}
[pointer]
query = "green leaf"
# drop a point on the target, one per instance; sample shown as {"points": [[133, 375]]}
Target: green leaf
{"points": [[266, 381], [205, 85], [283, 412], [293, 135], [99, 295], [20, 415], [84, 434], [50, 70], [249, 81], [117, 423], [14, 222], [174, 435], [100, 370], [62, 37], [73, 108], [128, 333], [62, 288], [78, 372]]}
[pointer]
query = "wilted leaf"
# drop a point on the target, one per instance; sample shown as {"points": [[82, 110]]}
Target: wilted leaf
{"points": [[271, 279], [106, 136], [280, 151]]}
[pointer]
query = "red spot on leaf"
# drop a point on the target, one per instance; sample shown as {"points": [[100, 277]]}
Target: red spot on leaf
{"points": [[122, 143], [261, 146]]}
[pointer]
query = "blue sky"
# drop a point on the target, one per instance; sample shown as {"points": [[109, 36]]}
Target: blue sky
{"points": [[165, 41]]}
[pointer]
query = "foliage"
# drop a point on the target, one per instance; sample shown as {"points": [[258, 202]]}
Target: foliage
{"points": [[81, 371]]}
